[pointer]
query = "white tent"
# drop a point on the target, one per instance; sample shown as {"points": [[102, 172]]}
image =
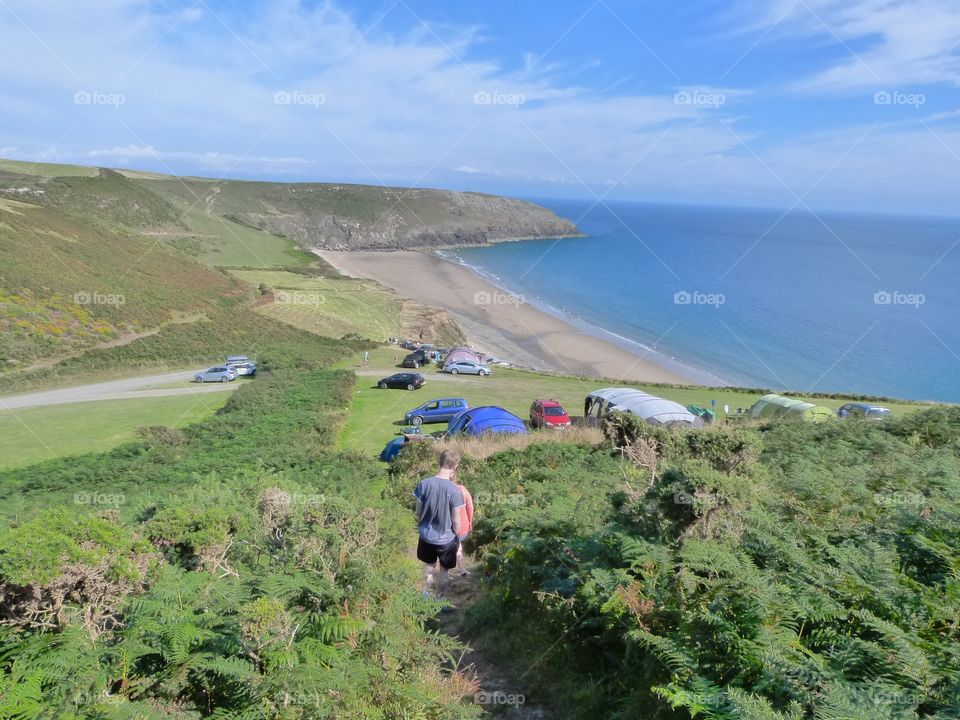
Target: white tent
{"points": [[652, 409]]}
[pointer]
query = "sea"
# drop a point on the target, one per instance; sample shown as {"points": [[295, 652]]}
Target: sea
{"points": [[808, 301]]}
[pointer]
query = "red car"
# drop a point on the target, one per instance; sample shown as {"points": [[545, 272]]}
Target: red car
{"points": [[548, 414]]}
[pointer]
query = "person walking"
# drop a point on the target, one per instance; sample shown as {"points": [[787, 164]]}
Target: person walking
{"points": [[439, 523], [466, 525]]}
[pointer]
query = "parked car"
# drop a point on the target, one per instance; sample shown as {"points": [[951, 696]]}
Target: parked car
{"points": [[864, 411], [234, 359], [244, 368], [548, 414], [416, 359], [220, 373], [436, 411], [466, 367], [410, 381]]}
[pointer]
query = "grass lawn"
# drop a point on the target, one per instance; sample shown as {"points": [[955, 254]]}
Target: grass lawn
{"points": [[376, 415], [331, 306], [230, 244], [35, 434]]}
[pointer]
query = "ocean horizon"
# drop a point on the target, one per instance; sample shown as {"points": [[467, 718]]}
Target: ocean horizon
{"points": [[806, 301]]}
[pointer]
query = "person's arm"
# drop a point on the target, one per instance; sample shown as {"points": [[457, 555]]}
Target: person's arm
{"points": [[418, 496], [419, 511], [457, 525], [456, 502], [469, 501]]}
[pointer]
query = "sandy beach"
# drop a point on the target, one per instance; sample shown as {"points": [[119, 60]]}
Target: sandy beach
{"points": [[496, 322]]}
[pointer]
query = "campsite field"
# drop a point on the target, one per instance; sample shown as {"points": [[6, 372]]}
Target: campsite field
{"points": [[376, 415], [36, 434]]}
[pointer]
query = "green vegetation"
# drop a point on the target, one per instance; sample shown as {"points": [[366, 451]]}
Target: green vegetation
{"points": [[786, 571], [23, 168], [375, 414], [33, 435], [234, 568]]}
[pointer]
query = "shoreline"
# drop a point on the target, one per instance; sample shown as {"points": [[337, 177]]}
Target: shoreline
{"points": [[500, 323]]}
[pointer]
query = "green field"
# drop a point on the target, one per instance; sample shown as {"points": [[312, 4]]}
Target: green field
{"points": [[33, 435], [375, 414], [47, 169]]}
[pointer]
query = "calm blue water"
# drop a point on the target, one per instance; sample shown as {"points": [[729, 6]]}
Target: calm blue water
{"points": [[789, 304]]}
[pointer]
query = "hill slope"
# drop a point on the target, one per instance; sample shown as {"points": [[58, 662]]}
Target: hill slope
{"points": [[313, 215]]}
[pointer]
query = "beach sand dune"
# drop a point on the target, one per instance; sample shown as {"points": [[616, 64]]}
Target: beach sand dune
{"points": [[496, 322]]}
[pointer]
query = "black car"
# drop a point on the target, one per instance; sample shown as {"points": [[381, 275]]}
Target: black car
{"points": [[416, 359], [409, 381]]}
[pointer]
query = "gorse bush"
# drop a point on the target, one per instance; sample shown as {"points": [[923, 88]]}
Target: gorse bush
{"points": [[788, 571]]}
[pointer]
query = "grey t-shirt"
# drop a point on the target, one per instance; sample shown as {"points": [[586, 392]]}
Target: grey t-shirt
{"points": [[438, 499]]}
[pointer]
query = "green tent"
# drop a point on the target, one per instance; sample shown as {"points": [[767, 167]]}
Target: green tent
{"points": [[775, 406]]}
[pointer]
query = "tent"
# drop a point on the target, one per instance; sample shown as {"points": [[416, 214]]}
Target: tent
{"points": [[778, 407], [462, 353], [652, 409], [486, 419], [392, 449]]}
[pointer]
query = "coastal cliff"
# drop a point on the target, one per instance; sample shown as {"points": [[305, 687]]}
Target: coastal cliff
{"points": [[355, 217]]}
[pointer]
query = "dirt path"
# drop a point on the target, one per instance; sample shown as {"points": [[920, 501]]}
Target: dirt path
{"points": [[125, 389], [501, 694]]}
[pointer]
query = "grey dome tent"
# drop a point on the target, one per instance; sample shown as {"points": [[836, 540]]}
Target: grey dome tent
{"points": [[652, 409]]}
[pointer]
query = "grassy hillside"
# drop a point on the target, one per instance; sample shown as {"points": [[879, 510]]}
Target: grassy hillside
{"points": [[784, 572]]}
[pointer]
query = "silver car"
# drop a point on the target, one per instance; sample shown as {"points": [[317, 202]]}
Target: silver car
{"points": [[220, 373], [466, 367], [248, 368]]}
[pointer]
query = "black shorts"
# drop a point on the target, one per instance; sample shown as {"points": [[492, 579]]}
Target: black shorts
{"points": [[447, 554]]}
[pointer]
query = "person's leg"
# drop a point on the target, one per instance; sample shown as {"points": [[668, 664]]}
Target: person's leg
{"points": [[442, 576], [461, 569], [428, 574]]}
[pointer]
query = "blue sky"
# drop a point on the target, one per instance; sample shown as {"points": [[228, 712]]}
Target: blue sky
{"points": [[846, 104]]}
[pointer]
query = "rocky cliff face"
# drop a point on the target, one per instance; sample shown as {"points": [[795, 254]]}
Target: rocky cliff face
{"points": [[370, 218]]}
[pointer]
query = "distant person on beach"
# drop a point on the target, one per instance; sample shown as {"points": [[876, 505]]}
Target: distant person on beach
{"points": [[366, 358], [466, 525], [439, 523]]}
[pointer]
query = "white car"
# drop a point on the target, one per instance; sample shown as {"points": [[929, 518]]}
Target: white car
{"points": [[220, 373], [466, 367]]}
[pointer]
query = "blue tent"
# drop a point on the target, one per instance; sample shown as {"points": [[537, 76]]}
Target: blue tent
{"points": [[392, 449], [486, 419]]}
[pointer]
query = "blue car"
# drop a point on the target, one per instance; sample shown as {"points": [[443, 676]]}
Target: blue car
{"points": [[436, 411]]}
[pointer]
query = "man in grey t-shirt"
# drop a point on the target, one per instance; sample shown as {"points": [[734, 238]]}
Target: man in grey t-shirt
{"points": [[438, 522]]}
